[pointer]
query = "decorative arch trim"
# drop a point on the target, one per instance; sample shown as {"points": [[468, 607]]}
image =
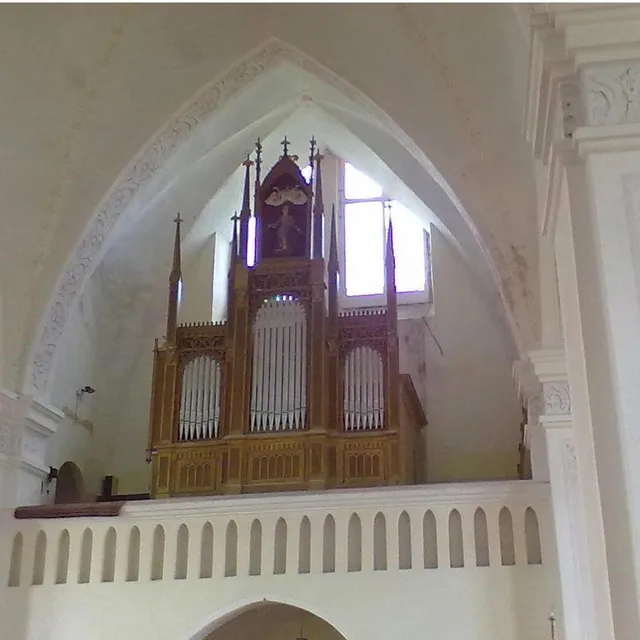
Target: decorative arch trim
{"points": [[94, 243]]}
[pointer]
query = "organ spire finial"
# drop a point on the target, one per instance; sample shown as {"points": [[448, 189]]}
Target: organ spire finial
{"points": [[312, 155], [234, 237], [390, 277], [333, 275], [176, 267], [175, 286], [333, 246], [285, 147]]}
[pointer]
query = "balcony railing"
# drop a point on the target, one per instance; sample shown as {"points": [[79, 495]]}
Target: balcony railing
{"points": [[418, 528]]}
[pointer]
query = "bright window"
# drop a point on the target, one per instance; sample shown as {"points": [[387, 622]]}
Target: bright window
{"points": [[366, 219]]}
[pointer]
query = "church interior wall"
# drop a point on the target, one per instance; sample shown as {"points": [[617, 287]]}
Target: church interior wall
{"points": [[144, 63], [473, 411]]}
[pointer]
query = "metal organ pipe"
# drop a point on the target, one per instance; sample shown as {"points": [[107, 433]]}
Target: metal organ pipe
{"points": [[200, 399], [279, 384], [363, 390]]}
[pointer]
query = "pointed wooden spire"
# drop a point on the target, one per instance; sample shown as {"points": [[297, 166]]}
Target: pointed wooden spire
{"points": [[176, 267], [245, 212], [333, 242], [333, 274], [234, 237], [175, 285], [390, 277], [318, 210]]}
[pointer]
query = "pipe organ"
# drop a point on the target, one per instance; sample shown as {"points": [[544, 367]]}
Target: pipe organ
{"points": [[289, 393]]}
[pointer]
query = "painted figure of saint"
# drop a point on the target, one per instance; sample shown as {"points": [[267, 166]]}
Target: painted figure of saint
{"points": [[284, 226]]}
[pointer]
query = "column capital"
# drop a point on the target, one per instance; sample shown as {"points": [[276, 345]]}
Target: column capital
{"points": [[543, 385], [584, 69], [583, 92]]}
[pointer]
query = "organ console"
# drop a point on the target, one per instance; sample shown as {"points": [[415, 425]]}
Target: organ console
{"points": [[289, 393]]}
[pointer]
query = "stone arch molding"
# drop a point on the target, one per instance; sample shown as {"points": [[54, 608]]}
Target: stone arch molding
{"points": [[236, 608], [181, 127]]}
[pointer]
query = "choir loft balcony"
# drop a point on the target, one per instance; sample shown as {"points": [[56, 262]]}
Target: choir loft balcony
{"points": [[350, 555]]}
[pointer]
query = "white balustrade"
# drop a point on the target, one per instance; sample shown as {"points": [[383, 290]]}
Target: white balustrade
{"points": [[380, 529]]}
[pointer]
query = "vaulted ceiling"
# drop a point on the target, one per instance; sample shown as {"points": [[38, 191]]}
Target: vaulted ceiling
{"points": [[116, 116]]}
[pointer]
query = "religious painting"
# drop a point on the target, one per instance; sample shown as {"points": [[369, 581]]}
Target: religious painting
{"points": [[284, 213]]}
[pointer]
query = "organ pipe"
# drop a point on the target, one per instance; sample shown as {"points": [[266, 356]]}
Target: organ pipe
{"points": [[278, 382], [200, 399], [363, 390]]}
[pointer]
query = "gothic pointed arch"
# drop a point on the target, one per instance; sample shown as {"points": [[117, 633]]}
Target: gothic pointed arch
{"points": [[172, 148]]}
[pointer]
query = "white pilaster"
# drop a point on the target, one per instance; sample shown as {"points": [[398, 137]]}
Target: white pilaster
{"points": [[26, 425], [583, 121], [578, 576]]}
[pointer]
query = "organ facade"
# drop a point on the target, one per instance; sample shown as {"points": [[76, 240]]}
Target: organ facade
{"points": [[289, 393]]}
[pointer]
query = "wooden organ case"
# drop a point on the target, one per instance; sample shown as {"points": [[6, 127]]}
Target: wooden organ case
{"points": [[288, 394]]}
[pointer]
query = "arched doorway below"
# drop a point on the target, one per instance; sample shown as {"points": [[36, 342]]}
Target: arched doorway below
{"points": [[275, 621]]}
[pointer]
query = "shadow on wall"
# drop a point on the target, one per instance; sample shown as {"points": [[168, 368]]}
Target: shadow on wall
{"points": [[70, 484]]}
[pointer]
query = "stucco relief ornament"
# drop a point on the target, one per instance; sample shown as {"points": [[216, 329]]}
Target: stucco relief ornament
{"points": [[613, 94], [556, 398]]}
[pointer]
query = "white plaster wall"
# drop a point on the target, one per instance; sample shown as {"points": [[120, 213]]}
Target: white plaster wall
{"points": [[131, 434], [222, 257], [197, 292], [75, 369], [501, 604], [472, 406]]}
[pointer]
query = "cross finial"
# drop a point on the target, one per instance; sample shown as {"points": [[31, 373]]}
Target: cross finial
{"points": [[248, 162], [285, 147], [178, 218], [235, 217]]}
